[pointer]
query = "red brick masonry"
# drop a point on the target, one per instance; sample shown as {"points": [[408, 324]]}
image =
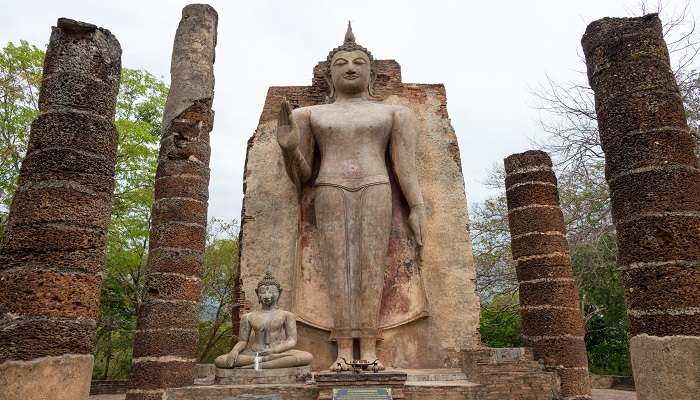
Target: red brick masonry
{"points": [[654, 180], [549, 303], [53, 252], [652, 172], [165, 345]]}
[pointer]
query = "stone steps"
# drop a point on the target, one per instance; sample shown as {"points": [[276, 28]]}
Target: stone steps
{"points": [[453, 383], [458, 389], [434, 375]]}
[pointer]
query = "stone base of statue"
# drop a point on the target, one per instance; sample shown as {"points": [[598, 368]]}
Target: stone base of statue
{"points": [[238, 376], [486, 374], [282, 391], [413, 384], [379, 383]]}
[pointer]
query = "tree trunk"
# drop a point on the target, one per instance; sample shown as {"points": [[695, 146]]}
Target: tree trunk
{"points": [[108, 355]]}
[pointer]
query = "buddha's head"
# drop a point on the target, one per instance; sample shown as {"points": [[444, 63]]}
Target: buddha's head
{"points": [[268, 290], [350, 68]]}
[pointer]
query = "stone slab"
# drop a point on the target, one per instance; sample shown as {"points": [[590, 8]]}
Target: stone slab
{"points": [[370, 378], [327, 382], [45, 378], [666, 367], [362, 394], [237, 376]]}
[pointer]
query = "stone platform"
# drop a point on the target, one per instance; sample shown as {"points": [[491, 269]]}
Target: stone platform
{"points": [[495, 374], [489, 374], [287, 391], [427, 390], [239, 376], [414, 384], [598, 394]]}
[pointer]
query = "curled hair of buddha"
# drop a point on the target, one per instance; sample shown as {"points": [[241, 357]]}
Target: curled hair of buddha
{"points": [[349, 44], [268, 280]]}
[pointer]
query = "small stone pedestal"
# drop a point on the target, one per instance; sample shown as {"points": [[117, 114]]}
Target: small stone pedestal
{"points": [[238, 376], [327, 381]]}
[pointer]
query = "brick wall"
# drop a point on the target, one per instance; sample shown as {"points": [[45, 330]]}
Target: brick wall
{"points": [[509, 373], [108, 386]]}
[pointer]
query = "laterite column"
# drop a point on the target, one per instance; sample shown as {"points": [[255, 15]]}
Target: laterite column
{"points": [[549, 302], [654, 184], [165, 346], [53, 253]]}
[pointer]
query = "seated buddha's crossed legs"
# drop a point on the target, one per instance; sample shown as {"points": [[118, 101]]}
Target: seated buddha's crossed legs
{"points": [[288, 359]]}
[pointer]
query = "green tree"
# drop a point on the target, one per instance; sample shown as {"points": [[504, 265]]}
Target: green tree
{"points": [[491, 242], [500, 321], [140, 105], [598, 278], [218, 300], [20, 79]]}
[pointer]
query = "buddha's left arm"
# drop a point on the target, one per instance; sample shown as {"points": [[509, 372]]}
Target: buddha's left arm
{"points": [[404, 135], [403, 155]]}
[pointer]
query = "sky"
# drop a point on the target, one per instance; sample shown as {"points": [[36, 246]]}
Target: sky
{"points": [[491, 56]]}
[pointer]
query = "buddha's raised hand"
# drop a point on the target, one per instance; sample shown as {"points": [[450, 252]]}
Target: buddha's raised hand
{"points": [[287, 135]]}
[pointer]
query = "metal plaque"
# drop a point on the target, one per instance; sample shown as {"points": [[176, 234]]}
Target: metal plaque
{"points": [[362, 394]]}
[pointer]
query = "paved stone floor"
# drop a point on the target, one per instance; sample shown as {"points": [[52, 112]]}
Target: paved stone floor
{"points": [[607, 394], [598, 394], [107, 397]]}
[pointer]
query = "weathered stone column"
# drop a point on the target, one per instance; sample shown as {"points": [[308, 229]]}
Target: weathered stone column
{"points": [[655, 192], [166, 337], [53, 254], [549, 303]]}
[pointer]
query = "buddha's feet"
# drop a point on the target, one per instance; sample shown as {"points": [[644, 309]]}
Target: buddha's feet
{"points": [[339, 365], [372, 357], [379, 366]]}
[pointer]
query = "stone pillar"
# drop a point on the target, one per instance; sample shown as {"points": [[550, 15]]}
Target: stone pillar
{"points": [[52, 257], [654, 184], [165, 345], [549, 303]]}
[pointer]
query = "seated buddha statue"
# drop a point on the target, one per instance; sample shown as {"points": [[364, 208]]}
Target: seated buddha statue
{"points": [[270, 333]]}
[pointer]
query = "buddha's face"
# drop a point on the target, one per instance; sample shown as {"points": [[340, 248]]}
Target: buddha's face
{"points": [[268, 295], [350, 71]]}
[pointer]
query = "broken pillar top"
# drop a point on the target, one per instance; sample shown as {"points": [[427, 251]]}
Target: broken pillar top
{"points": [[530, 158], [85, 49], [71, 25], [615, 29]]}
